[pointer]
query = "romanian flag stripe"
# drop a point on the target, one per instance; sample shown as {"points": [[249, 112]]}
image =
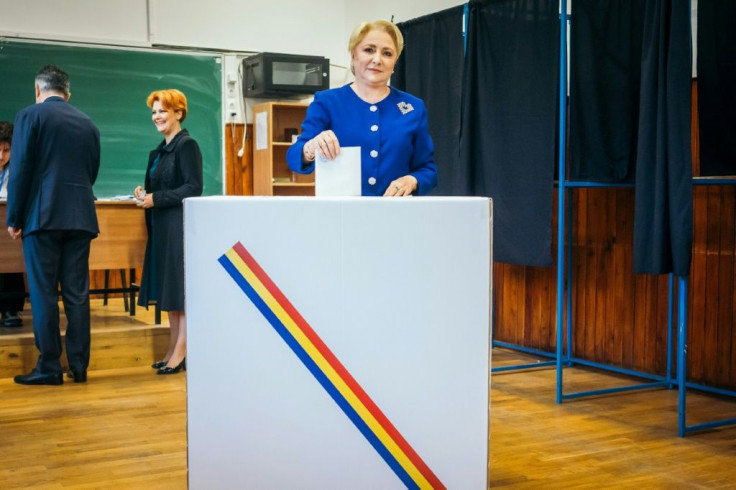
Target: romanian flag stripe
{"points": [[317, 373], [327, 369], [375, 413]]}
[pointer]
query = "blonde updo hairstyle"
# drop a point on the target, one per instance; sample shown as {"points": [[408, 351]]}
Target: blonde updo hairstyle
{"points": [[171, 99], [364, 28]]}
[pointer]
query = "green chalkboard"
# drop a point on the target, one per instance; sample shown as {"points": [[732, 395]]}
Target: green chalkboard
{"points": [[111, 87]]}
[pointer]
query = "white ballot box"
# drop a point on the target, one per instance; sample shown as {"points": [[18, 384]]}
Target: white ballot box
{"points": [[338, 343]]}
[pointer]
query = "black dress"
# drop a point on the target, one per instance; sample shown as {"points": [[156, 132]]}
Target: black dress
{"points": [[177, 175]]}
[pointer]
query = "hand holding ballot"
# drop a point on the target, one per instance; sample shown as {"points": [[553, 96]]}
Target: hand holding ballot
{"points": [[325, 143]]}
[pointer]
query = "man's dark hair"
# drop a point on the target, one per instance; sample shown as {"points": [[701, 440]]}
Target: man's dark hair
{"points": [[6, 132], [51, 78]]}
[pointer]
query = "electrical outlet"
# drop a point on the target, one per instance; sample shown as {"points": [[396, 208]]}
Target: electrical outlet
{"points": [[232, 111], [233, 104]]}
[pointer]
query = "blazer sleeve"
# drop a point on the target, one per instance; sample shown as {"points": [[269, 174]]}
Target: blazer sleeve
{"points": [[21, 170], [189, 162], [316, 121]]}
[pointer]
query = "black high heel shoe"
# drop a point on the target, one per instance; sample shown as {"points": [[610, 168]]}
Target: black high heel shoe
{"points": [[158, 364], [173, 370]]}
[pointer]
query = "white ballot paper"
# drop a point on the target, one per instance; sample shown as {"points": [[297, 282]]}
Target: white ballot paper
{"points": [[338, 177]]}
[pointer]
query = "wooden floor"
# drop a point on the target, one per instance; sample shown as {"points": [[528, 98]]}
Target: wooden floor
{"points": [[126, 428], [615, 441]]}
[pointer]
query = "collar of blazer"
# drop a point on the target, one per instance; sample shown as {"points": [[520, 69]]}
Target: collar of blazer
{"points": [[174, 142], [54, 98]]}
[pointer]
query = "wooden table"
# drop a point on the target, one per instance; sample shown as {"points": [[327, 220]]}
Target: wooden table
{"points": [[120, 245]]}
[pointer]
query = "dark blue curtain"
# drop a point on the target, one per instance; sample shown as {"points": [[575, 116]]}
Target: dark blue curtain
{"points": [[509, 121], [431, 68], [663, 215], [605, 73], [717, 86], [630, 98]]}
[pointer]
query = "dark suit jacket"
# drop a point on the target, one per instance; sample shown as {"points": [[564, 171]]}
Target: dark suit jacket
{"points": [[54, 163]]}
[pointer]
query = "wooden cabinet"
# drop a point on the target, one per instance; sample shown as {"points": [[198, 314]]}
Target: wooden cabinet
{"points": [[277, 122]]}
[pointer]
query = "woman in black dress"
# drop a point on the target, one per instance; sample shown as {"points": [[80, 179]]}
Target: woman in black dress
{"points": [[174, 172]]}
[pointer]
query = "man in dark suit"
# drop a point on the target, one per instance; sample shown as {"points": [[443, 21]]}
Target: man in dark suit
{"points": [[54, 163]]}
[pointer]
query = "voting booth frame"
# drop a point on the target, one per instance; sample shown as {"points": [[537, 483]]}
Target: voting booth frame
{"points": [[338, 342]]}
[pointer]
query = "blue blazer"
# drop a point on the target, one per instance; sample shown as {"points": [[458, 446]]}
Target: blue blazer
{"points": [[392, 135], [53, 164]]}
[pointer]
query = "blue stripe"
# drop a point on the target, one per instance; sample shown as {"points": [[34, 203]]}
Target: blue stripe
{"points": [[318, 373]]}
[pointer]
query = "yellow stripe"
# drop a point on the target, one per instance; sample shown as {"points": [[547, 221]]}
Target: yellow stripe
{"points": [[325, 366]]}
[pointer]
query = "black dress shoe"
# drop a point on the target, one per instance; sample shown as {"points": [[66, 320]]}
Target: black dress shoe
{"points": [[12, 319], [36, 378], [77, 376], [158, 364], [173, 370]]}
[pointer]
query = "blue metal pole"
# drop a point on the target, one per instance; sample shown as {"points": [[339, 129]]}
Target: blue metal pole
{"points": [[620, 389], [670, 321], [619, 370], [681, 353], [561, 193], [519, 367], [521, 348]]}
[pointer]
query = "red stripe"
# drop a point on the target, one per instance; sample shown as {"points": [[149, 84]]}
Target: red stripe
{"points": [[337, 366]]}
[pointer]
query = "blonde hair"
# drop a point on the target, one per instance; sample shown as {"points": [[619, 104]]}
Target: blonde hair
{"points": [[171, 99], [364, 28]]}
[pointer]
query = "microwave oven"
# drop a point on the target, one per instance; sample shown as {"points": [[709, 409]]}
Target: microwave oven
{"points": [[284, 75]]}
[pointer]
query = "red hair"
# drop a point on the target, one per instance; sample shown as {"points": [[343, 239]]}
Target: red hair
{"points": [[171, 99]]}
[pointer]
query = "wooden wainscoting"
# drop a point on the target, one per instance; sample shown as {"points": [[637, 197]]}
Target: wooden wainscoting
{"points": [[711, 299], [619, 318], [238, 170]]}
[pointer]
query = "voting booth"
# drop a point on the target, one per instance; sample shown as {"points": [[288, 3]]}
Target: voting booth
{"points": [[338, 343]]}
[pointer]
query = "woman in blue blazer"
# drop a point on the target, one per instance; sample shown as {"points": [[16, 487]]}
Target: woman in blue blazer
{"points": [[389, 126]]}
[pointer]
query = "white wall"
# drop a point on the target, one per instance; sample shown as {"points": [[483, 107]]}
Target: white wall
{"points": [[114, 21], [317, 27], [281, 26]]}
